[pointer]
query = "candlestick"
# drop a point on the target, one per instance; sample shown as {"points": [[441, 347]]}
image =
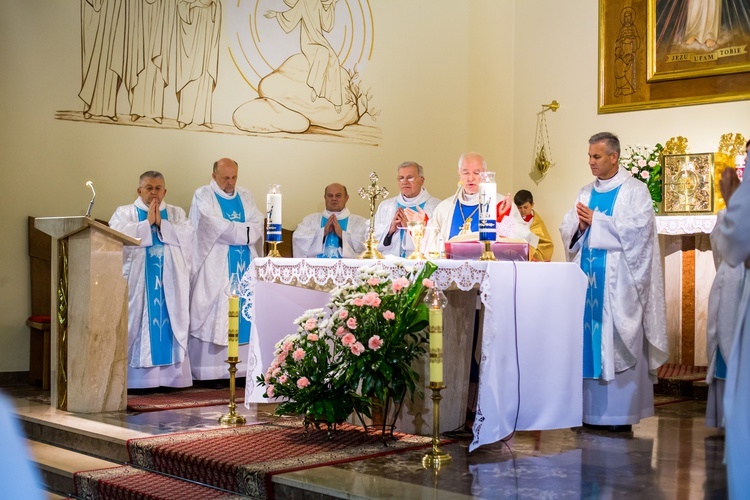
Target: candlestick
{"points": [[273, 218], [436, 458], [436, 302], [232, 418], [487, 206]]}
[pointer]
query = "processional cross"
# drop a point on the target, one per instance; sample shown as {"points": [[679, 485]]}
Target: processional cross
{"points": [[373, 192]]}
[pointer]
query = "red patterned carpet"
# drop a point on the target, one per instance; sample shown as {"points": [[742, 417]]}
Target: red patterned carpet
{"points": [[682, 372], [240, 460], [191, 397]]}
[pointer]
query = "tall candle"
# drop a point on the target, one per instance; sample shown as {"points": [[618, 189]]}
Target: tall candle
{"points": [[436, 345], [234, 328], [487, 209], [273, 213]]}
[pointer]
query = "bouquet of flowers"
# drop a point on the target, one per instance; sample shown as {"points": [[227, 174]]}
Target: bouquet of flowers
{"points": [[335, 363], [644, 163]]}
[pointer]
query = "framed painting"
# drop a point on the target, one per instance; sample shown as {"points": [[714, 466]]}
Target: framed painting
{"points": [[688, 183], [632, 38], [694, 38]]}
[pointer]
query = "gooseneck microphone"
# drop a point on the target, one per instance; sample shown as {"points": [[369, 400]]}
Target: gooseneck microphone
{"points": [[91, 203]]}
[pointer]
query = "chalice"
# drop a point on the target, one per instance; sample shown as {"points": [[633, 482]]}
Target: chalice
{"points": [[416, 229]]}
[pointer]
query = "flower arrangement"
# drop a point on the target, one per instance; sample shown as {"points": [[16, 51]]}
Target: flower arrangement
{"points": [[363, 347], [644, 163]]}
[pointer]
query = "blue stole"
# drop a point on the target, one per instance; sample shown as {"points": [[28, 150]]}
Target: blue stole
{"points": [[460, 213], [238, 256], [160, 329], [594, 264], [332, 243], [402, 232], [721, 365]]}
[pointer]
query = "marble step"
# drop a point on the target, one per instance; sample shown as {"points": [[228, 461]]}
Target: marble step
{"points": [[57, 466], [48, 425]]}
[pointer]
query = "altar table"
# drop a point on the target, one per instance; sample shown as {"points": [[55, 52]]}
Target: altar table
{"points": [[532, 341]]}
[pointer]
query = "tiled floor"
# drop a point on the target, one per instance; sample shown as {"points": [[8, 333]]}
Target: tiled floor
{"points": [[670, 455]]}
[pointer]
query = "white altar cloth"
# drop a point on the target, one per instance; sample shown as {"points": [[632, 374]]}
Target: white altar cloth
{"points": [[548, 298]]}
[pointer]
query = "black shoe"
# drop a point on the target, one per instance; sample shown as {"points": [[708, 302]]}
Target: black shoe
{"points": [[609, 428], [460, 433]]}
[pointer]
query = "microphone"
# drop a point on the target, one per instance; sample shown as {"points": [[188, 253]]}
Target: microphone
{"points": [[91, 203]]}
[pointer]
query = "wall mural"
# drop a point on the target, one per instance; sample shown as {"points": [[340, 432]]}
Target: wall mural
{"points": [[298, 63]]}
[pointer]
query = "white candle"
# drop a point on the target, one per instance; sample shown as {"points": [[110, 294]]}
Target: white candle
{"points": [[233, 350], [487, 208], [273, 213]]}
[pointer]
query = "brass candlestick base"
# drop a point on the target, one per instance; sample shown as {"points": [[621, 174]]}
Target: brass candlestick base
{"points": [[436, 458], [274, 251], [232, 418], [371, 248], [487, 254]]}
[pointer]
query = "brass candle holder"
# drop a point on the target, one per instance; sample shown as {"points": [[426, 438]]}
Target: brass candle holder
{"points": [[274, 252], [232, 418], [436, 458], [487, 254]]}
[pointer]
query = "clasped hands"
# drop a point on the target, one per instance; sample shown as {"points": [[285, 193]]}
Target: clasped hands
{"points": [[332, 226], [154, 215], [404, 215]]}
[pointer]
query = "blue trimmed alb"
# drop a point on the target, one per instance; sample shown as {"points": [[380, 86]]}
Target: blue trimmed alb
{"points": [[159, 327], [332, 243], [594, 264], [238, 256]]}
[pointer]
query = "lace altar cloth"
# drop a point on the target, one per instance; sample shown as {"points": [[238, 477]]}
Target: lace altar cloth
{"points": [[685, 224]]}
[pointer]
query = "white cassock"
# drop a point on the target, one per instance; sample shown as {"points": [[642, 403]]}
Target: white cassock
{"points": [[401, 244], [733, 242], [445, 213], [723, 307], [209, 303], [308, 241], [633, 322], [176, 234]]}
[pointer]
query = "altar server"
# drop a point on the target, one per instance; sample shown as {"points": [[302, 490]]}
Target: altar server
{"points": [[394, 213], [228, 234], [158, 276], [733, 242], [333, 233], [611, 234], [541, 241], [459, 214]]}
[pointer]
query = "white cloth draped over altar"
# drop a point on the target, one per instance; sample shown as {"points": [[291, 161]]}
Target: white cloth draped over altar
{"points": [[532, 337]]}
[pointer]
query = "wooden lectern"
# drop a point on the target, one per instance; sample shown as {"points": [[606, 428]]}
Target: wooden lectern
{"points": [[89, 334]]}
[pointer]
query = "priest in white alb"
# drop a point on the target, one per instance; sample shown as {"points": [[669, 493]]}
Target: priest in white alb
{"points": [[459, 214], [158, 276], [611, 234], [228, 233], [334, 233], [394, 213]]}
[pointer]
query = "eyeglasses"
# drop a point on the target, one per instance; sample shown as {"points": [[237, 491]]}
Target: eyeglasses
{"points": [[410, 178]]}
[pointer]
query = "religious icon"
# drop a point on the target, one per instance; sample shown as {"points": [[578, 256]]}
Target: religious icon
{"points": [[688, 183]]}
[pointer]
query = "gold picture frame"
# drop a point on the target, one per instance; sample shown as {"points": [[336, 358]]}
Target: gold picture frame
{"points": [[688, 186], [689, 39], [624, 66]]}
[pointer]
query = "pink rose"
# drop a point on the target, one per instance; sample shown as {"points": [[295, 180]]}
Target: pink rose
{"points": [[267, 378], [298, 354], [340, 331], [287, 347], [357, 349], [269, 391], [399, 283], [358, 302], [352, 323], [645, 174], [313, 337], [303, 382], [642, 162], [371, 299], [389, 315], [311, 323], [343, 314], [275, 372], [348, 339], [375, 342], [428, 283], [373, 281], [283, 379]]}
